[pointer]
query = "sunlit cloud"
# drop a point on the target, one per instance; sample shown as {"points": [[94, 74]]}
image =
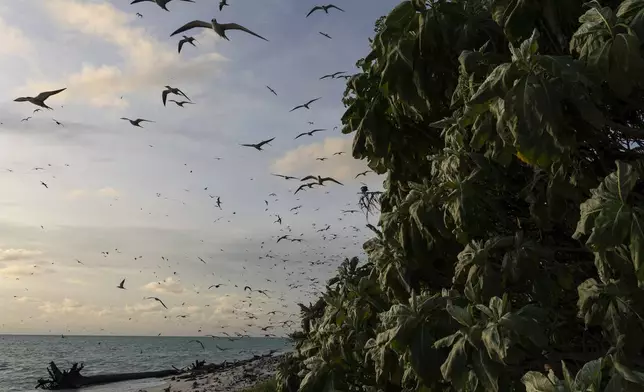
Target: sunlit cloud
{"points": [[144, 62], [169, 285], [302, 160], [18, 254]]}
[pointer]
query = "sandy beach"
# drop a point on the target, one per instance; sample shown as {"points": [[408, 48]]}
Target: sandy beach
{"points": [[228, 377]]}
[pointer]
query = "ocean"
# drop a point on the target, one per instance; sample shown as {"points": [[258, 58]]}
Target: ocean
{"points": [[24, 359]]}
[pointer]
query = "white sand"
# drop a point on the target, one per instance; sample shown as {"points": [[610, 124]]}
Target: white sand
{"points": [[229, 380]]}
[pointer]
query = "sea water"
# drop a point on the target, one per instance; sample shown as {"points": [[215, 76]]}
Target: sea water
{"points": [[24, 359]]}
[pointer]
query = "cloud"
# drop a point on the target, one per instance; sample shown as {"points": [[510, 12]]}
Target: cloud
{"points": [[301, 161], [16, 270], [76, 194], [145, 62], [18, 254], [70, 306], [144, 307], [108, 192], [169, 285], [14, 41]]}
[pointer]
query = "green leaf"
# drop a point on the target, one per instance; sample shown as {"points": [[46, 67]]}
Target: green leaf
{"points": [[637, 245], [629, 375], [461, 315], [517, 17], [568, 380], [483, 368], [447, 341], [455, 366], [607, 215], [537, 382], [589, 376], [424, 359], [497, 346]]}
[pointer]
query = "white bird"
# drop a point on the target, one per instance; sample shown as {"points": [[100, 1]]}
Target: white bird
{"points": [[220, 28]]}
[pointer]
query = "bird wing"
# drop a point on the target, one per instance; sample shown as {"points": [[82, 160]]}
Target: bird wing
{"points": [[331, 179], [333, 75], [300, 188], [317, 7], [122, 283], [316, 130], [249, 145], [266, 142], [143, 120], [192, 25], [313, 100], [301, 134], [297, 107], [183, 41], [309, 178], [235, 26], [334, 6], [184, 94], [125, 118], [44, 95], [157, 299], [164, 96], [326, 76]]}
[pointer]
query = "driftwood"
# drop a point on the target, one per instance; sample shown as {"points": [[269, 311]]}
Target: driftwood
{"points": [[72, 379]]}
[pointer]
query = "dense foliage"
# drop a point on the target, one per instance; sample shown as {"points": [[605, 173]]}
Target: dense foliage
{"points": [[510, 248]]}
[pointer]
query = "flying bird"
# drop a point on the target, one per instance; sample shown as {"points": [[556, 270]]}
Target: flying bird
{"points": [[321, 180], [197, 341], [202, 260], [121, 285], [139, 15], [158, 300], [364, 173], [37, 110], [332, 76], [216, 286], [326, 35], [309, 185], [43, 184], [309, 133], [284, 237], [285, 177], [172, 90], [25, 119], [187, 40], [160, 3], [222, 4], [338, 153], [39, 100], [181, 103], [271, 90], [57, 122], [321, 159], [220, 28], [306, 105], [137, 122], [324, 8], [259, 145]]}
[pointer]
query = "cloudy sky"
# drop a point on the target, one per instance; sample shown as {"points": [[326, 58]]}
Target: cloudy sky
{"points": [[138, 203]]}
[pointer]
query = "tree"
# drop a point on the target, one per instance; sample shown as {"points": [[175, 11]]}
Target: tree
{"points": [[510, 254]]}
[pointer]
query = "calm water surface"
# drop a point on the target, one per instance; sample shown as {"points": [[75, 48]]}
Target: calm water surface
{"points": [[23, 359]]}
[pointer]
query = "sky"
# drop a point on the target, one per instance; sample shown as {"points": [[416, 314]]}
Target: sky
{"points": [[131, 203]]}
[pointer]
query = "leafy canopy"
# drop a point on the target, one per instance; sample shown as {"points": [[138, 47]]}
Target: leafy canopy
{"points": [[509, 254]]}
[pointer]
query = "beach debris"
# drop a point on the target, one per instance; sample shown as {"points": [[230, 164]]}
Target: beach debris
{"points": [[70, 379]]}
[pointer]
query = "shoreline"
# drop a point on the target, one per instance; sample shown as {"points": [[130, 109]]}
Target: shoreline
{"points": [[223, 377]]}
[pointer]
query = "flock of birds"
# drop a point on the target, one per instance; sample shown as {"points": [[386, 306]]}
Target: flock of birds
{"points": [[318, 257]]}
